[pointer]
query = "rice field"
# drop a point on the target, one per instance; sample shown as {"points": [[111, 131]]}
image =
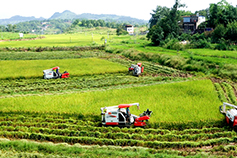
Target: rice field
{"points": [[76, 67], [174, 102], [185, 119], [79, 39]]}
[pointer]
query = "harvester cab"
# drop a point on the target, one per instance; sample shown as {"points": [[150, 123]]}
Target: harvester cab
{"points": [[230, 112], [120, 116], [136, 69], [54, 73]]}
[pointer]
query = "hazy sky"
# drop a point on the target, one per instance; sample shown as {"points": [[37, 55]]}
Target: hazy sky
{"points": [[140, 9]]}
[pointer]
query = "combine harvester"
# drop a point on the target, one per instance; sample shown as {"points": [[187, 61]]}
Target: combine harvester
{"points": [[136, 69], [54, 73], [120, 116], [230, 112]]}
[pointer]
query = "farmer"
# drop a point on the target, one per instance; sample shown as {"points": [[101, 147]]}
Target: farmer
{"points": [[128, 113], [57, 71]]}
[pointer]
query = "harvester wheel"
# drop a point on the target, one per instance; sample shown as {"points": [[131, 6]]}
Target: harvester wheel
{"points": [[221, 110]]}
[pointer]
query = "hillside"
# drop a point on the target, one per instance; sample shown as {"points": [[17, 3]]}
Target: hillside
{"points": [[64, 15], [17, 19], [70, 15]]}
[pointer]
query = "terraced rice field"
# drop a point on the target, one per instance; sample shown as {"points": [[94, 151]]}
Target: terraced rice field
{"points": [[37, 114], [74, 129]]}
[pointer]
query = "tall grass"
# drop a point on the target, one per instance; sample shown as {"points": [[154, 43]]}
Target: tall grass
{"points": [[76, 67], [175, 102]]}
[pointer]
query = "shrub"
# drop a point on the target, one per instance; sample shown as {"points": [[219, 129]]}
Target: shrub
{"points": [[218, 33], [201, 43]]}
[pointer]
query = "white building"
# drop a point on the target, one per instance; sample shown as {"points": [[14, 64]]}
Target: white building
{"points": [[191, 23], [129, 29]]}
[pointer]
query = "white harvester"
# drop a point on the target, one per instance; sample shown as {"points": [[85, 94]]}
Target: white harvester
{"points": [[54, 73], [136, 69], [120, 115]]}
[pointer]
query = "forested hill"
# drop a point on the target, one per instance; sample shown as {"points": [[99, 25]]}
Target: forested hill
{"points": [[70, 15], [16, 19]]}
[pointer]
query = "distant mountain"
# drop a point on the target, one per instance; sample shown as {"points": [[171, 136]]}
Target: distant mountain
{"points": [[109, 17], [64, 15], [17, 19], [70, 15]]}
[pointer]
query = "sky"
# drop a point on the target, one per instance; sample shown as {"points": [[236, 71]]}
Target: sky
{"points": [[139, 9]]}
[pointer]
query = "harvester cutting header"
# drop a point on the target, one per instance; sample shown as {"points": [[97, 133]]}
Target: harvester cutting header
{"points": [[230, 112], [54, 73], [120, 116]]}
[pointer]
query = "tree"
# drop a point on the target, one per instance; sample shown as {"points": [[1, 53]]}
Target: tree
{"points": [[156, 34], [222, 13], [218, 33], [204, 12], [9, 28], [185, 13], [76, 22], [120, 30], [158, 14], [167, 25], [231, 32]]}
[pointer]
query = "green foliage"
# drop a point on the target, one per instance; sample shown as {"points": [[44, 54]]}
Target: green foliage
{"points": [[222, 45], [222, 18], [95, 23], [185, 13], [50, 26], [120, 31], [172, 44], [164, 23], [156, 35], [231, 32], [222, 13], [185, 37], [218, 33], [158, 14], [201, 43], [203, 12]]}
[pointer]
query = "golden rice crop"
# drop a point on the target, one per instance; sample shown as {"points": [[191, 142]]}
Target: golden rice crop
{"points": [[184, 101]]}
